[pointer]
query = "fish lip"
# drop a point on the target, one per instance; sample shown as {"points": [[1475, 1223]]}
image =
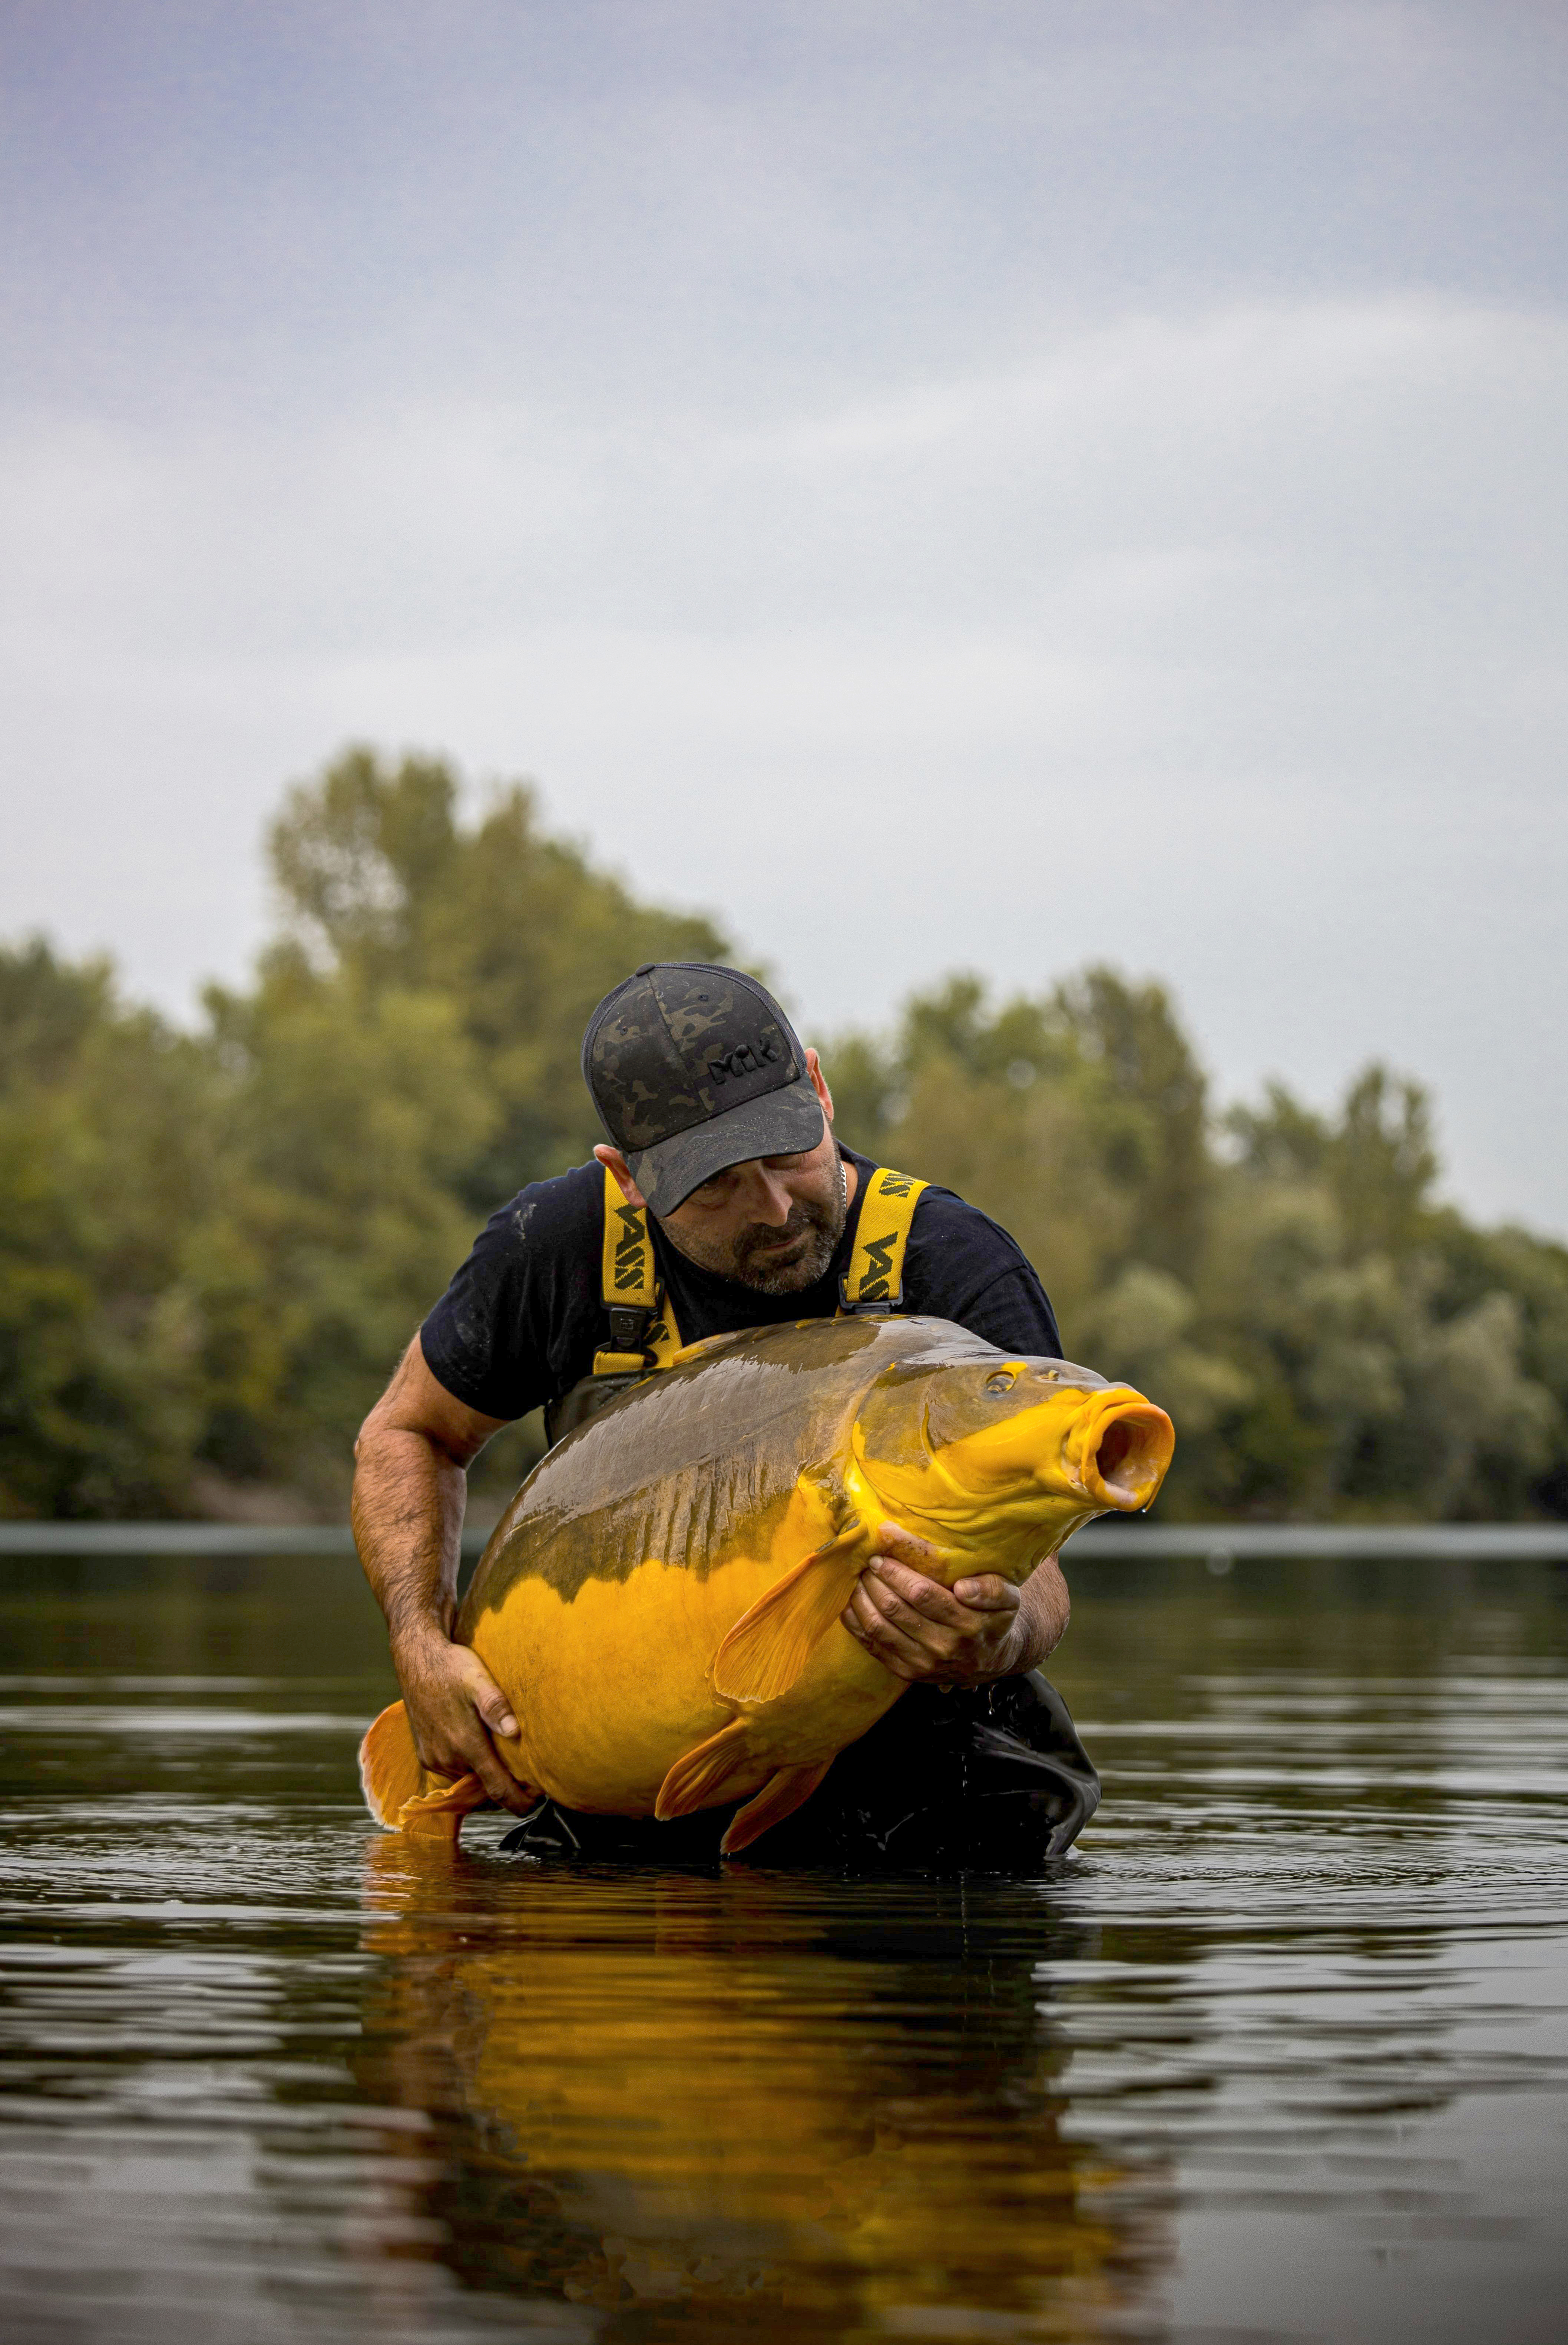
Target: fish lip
{"points": [[1153, 1456], [1075, 1464]]}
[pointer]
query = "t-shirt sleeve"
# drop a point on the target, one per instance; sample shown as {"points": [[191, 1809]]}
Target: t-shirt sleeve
{"points": [[1014, 1313], [505, 1336], [962, 1265]]}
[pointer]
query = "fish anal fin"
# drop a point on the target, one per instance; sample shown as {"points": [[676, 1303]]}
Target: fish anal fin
{"points": [[398, 1792], [780, 1796], [437, 1813], [698, 1777], [391, 1769], [769, 1646]]}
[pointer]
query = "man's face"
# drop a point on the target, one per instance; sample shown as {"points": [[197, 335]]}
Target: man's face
{"points": [[772, 1223]]}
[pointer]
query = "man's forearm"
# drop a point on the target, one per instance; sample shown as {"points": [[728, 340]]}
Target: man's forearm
{"points": [[408, 1518], [1043, 1609], [409, 1488]]}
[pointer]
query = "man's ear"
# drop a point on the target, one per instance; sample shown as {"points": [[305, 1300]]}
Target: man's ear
{"points": [[617, 1163], [819, 1084]]}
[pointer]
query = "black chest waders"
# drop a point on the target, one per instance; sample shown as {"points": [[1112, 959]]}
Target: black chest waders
{"points": [[989, 1779]]}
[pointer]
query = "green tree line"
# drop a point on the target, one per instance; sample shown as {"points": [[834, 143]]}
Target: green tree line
{"points": [[214, 1244]]}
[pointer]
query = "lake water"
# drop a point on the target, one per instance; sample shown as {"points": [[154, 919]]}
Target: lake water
{"points": [[1280, 2051]]}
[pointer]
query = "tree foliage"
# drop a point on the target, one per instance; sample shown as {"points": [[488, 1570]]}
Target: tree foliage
{"points": [[384, 890], [106, 1166], [1330, 1340], [213, 1245]]}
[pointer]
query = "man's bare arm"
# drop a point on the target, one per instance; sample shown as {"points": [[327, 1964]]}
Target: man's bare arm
{"points": [[407, 1513]]}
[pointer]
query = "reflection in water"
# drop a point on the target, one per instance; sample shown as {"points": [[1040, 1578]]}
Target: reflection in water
{"points": [[1282, 2053], [748, 2093]]}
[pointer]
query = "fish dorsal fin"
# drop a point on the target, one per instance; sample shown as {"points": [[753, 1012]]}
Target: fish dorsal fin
{"points": [[769, 1646]]}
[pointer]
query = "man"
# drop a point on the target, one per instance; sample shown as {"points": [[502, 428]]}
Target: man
{"points": [[720, 1127]]}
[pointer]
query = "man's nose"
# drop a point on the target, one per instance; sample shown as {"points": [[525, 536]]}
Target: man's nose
{"points": [[770, 1200]]}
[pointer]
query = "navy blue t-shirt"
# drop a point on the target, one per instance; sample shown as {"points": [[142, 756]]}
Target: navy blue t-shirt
{"points": [[520, 1321]]}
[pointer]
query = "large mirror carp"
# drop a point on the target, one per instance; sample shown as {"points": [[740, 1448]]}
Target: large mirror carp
{"points": [[660, 1603]]}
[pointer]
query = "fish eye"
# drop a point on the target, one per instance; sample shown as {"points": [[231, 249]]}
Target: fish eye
{"points": [[1003, 1381]]}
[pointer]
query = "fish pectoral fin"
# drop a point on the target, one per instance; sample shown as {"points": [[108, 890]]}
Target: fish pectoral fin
{"points": [[780, 1796], [698, 1778], [769, 1646]]}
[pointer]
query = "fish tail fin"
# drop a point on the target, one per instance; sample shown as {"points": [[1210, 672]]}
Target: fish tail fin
{"points": [[390, 1769], [769, 1646], [398, 1792], [698, 1777], [780, 1796]]}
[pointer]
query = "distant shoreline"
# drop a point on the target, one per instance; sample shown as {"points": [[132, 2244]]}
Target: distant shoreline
{"points": [[1220, 1545]]}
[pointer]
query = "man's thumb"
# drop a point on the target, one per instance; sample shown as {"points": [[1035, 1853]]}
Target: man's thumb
{"points": [[492, 1704]]}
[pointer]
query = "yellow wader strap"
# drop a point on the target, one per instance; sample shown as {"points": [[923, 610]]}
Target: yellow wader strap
{"points": [[640, 1324], [876, 1277]]}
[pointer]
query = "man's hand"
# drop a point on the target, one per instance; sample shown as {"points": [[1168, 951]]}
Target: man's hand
{"points": [[930, 1634], [408, 1514], [455, 1707]]}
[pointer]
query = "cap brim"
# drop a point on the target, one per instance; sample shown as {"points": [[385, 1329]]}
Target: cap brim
{"points": [[785, 1122]]}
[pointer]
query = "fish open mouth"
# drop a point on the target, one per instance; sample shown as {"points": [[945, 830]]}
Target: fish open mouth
{"points": [[1125, 1454]]}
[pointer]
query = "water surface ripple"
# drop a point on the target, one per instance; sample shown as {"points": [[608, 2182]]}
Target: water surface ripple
{"points": [[1280, 2051]]}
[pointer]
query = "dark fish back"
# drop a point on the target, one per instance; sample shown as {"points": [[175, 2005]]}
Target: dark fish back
{"points": [[688, 1465]]}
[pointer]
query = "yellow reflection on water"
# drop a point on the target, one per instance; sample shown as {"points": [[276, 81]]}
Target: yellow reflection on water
{"points": [[718, 2093]]}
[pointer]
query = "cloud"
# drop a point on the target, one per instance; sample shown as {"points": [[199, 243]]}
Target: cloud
{"points": [[1223, 644]]}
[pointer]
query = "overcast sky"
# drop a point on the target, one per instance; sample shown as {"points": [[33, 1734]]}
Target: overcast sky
{"points": [[968, 485]]}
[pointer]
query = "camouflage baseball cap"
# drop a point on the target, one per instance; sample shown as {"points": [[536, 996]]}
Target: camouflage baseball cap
{"points": [[694, 1068]]}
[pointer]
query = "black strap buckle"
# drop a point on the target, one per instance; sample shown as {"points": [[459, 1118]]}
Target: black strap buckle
{"points": [[882, 1310], [629, 1327]]}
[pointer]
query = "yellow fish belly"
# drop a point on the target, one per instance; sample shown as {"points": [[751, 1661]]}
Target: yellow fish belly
{"points": [[613, 1687]]}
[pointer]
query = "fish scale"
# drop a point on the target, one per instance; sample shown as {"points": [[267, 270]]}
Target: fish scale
{"points": [[660, 1603]]}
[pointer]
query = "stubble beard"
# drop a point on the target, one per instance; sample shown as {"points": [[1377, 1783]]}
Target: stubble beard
{"points": [[750, 1259]]}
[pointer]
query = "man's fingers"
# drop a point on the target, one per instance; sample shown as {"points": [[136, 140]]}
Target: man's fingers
{"points": [[891, 1627], [923, 1631], [498, 1779], [472, 1752], [505, 1789], [914, 1590], [905, 1548], [480, 1752], [987, 1594], [884, 1643], [455, 1706], [487, 1696], [877, 1610]]}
